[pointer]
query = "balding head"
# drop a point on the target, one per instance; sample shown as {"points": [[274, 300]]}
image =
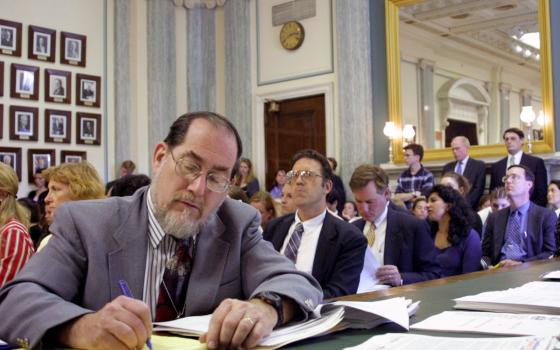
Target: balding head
{"points": [[460, 147]]}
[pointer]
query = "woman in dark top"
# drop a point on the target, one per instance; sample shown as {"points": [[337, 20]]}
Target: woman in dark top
{"points": [[458, 245], [38, 195], [462, 185], [245, 178]]}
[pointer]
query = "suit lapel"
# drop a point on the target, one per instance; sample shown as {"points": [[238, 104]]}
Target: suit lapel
{"points": [[500, 231], [129, 255], [533, 226], [393, 240], [280, 233], [327, 240], [210, 258]]}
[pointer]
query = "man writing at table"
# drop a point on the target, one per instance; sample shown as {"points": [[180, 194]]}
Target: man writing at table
{"points": [[180, 244]]}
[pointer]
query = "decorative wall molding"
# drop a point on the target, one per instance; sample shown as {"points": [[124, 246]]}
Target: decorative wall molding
{"points": [[191, 4]]}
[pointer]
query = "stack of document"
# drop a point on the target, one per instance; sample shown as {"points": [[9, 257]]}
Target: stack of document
{"points": [[552, 275], [328, 318], [491, 323], [413, 342], [533, 297]]}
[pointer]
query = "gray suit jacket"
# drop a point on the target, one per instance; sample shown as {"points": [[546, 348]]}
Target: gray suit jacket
{"points": [[96, 243]]}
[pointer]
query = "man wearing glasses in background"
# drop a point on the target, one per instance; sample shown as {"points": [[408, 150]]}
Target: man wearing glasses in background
{"points": [[182, 246], [331, 249], [522, 232]]}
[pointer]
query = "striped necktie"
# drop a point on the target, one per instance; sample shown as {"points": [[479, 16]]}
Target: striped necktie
{"points": [[459, 169], [514, 243], [370, 235], [291, 250]]}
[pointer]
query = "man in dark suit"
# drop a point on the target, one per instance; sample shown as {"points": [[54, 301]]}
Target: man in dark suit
{"points": [[522, 232], [400, 242], [513, 139], [472, 169], [331, 249]]}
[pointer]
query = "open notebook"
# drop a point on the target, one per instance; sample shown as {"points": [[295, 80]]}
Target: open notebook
{"points": [[327, 318]]}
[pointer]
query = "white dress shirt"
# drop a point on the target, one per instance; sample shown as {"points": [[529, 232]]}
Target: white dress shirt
{"points": [[309, 239], [378, 246]]}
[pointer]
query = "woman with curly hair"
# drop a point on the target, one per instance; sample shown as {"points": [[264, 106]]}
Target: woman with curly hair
{"points": [[458, 245], [16, 246]]}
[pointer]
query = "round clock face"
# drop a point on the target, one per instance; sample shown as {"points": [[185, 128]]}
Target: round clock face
{"points": [[292, 35]]}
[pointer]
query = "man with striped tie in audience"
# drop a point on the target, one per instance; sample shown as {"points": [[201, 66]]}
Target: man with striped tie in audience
{"points": [[522, 232], [331, 249]]}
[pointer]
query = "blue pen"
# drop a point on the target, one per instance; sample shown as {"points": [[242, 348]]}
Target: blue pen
{"points": [[127, 293]]}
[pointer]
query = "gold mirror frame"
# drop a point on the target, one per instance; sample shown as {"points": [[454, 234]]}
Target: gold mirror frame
{"points": [[394, 86]]}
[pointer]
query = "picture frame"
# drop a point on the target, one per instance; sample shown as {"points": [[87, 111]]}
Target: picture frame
{"points": [[1, 121], [24, 82], [39, 159], [1, 78], [41, 44], [88, 129], [10, 38], [88, 90], [12, 157], [58, 126], [24, 123], [72, 156], [58, 85], [73, 49]]}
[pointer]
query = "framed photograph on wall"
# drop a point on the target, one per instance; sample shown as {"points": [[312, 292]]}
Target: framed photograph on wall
{"points": [[24, 82], [12, 156], [88, 88], [57, 86], [88, 129], [10, 38], [39, 159], [73, 49], [1, 121], [72, 156], [41, 43], [1, 78], [24, 123], [58, 126]]}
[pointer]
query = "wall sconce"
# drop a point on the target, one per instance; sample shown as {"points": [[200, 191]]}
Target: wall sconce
{"points": [[273, 106], [408, 134], [527, 116], [392, 132]]}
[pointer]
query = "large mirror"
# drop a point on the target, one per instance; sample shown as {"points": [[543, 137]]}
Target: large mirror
{"points": [[467, 67]]}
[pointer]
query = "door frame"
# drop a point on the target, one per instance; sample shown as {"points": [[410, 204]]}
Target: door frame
{"points": [[259, 154]]}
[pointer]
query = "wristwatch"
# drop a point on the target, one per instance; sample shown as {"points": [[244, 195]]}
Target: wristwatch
{"points": [[275, 301]]}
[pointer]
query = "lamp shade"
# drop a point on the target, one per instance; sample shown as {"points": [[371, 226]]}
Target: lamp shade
{"points": [[390, 130], [527, 114], [408, 132], [541, 119]]}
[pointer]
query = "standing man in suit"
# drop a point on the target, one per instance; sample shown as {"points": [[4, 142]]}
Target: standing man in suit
{"points": [[183, 247], [400, 242], [523, 231], [315, 240], [513, 139], [474, 170]]}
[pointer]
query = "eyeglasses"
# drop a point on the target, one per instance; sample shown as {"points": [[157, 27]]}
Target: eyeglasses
{"points": [[191, 171], [303, 174], [513, 177]]}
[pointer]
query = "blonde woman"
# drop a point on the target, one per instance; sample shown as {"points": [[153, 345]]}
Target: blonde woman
{"points": [[245, 177], [70, 182], [16, 246]]}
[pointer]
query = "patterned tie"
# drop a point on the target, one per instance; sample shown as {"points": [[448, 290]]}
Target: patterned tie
{"points": [[293, 245], [370, 235], [459, 169], [173, 288], [513, 247]]}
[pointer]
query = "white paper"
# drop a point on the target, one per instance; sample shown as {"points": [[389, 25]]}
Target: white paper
{"points": [[532, 297], [368, 281], [492, 323], [398, 341], [553, 275], [394, 309]]}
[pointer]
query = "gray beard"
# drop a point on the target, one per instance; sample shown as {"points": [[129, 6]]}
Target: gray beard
{"points": [[178, 225]]}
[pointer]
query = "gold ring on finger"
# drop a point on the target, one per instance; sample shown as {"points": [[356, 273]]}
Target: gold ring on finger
{"points": [[249, 319]]}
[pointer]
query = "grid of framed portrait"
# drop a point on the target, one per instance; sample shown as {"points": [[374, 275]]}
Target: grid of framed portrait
{"points": [[24, 82], [88, 90], [12, 156], [57, 86], [41, 44], [38, 160], [73, 49], [58, 126]]}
